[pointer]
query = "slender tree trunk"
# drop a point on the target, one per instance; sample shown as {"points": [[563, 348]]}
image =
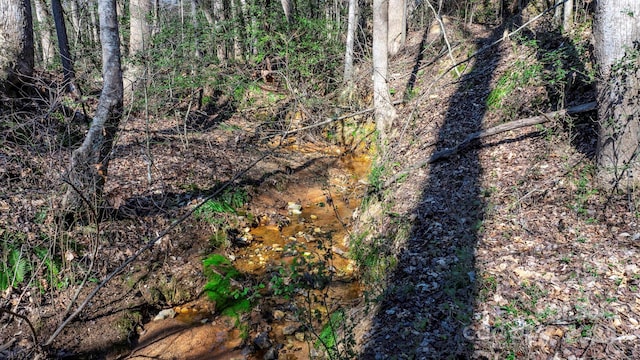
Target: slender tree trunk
{"points": [[90, 161], [352, 23], [239, 33], [567, 15], [286, 7], [218, 18], [68, 74], [94, 23], [196, 30], [16, 46], [47, 45], [385, 113], [397, 25], [75, 20], [121, 12], [616, 31]]}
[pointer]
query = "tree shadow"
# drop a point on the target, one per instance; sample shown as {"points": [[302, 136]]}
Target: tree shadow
{"points": [[425, 311], [569, 82]]}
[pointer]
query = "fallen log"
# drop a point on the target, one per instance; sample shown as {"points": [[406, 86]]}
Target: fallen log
{"points": [[512, 125]]}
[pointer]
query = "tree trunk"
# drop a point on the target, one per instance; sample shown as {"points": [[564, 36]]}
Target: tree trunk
{"points": [[286, 7], [616, 28], [46, 37], [397, 26], [196, 30], [218, 18], [352, 23], [16, 47], [68, 73], [140, 31], [567, 15], [75, 21], [94, 23], [239, 33], [90, 161], [385, 112]]}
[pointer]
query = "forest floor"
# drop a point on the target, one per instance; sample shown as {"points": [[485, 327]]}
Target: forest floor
{"points": [[506, 250]]}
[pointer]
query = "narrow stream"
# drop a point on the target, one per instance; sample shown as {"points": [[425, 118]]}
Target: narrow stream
{"points": [[299, 253]]}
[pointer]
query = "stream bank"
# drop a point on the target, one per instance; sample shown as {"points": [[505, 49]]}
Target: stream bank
{"points": [[294, 263]]}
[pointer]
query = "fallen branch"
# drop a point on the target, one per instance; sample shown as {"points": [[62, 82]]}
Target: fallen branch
{"points": [[33, 330], [512, 125]]}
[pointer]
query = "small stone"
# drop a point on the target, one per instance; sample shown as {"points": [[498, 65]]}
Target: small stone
{"points": [[278, 315], [165, 314], [313, 217], [299, 336], [290, 330], [262, 341], [271, 354]]}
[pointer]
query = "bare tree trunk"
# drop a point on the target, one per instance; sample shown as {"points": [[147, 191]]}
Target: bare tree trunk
{"points": [[120, 11], [75, 20], [352, 23], [616, 28], [239, 33], [94, 23], [68, 74], [196, 31], [218, 18], [139, 26], [385, 113], [48, 47], [16, 47], [286, 7], [397, 26], [90, 161], [567, 15]]}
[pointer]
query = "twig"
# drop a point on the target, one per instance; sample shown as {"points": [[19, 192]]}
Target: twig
{"points": [[512, 125], [33, 331], [444, 35], [148, 245]]}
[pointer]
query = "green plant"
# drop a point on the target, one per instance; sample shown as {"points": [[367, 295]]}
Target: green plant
{"points": [[52, 269], [223, 287], [328, 338], [522, 74], [227, 203], [13, 268], [584, 191]]}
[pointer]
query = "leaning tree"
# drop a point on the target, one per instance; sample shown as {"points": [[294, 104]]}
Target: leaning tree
{"points": [[90, 161], [617, 48]]}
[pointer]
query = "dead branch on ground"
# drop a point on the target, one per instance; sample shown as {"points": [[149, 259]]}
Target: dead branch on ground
{"points": [[470, 139]]}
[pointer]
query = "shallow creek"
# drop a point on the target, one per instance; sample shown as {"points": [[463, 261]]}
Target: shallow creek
{"points": [[302, 214]]}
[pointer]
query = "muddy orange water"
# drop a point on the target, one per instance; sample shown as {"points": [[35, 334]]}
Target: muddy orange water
{"points": [[302, 214]]}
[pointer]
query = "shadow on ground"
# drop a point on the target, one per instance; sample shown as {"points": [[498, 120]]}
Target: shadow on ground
{"points": [[430, 300]]}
